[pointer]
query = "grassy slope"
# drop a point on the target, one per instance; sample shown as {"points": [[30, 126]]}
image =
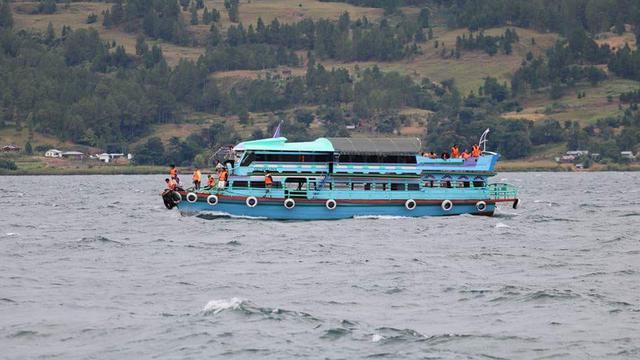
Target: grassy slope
{"points": [[468, 71]]}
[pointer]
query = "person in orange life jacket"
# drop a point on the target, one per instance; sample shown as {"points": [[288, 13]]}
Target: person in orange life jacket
{"points": [[197, 176], [455, 152], [173, 174], [476, 151], [268, 182], [222, 178], [465, 154]]}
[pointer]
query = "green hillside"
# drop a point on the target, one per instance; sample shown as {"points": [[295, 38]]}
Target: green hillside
{"points": [[171, 80]]}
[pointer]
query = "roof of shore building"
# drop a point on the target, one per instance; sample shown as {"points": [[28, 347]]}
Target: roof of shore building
{"points": [[339, 145]]}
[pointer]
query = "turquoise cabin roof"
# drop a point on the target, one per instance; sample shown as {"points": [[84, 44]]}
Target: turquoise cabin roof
{"points": [[281, 144]]}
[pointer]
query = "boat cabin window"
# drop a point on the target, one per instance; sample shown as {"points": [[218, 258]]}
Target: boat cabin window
{"points": [[382, 159], [257, 184], [445, 184], [413, 187], [296, 183], [466, 184], [239, 184], [478, 183], [275, 157], [248, 159], [341, 185], [430, 184], [397, 187]]}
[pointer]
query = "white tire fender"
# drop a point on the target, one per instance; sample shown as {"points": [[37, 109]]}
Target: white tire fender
{"points": [[251, 201], [192, 197]]}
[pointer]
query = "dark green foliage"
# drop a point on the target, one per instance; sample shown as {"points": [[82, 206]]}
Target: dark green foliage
{"points": [[92, 18], [28, 149], [152, 152], [489, 44], [342, 39], [631, 97], [160, 19], [563, 67], [547, 132], [546, 15], [47, 7], [423, 18], [626, 63], [8, 164], [194, 14], [233, 9], [246, 57], [494, 90], [6, 16]]}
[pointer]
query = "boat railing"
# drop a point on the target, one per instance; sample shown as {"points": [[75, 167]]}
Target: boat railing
{"points": [[499, 191]]}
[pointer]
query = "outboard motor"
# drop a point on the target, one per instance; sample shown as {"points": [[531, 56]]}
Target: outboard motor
{"points": [[171, 198]]}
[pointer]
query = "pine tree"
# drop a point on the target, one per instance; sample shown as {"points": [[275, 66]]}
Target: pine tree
{"points": [[423, 18], [51, 34], [117, 12], [233, 9], [206, 18], [141, 46], [194, 14], [6, 17]]}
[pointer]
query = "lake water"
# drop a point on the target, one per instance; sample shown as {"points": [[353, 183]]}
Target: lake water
{"points": [[96, 267]]}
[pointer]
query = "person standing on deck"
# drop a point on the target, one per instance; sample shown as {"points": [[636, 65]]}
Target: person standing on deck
{"points": [[197, 176], [268, 182], [222, 179], [455, 152], [173, 174]]}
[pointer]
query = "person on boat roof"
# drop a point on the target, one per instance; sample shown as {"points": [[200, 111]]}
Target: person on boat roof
{"points": [[268, 182], [465, 155], [173, 173], [223, 174], [475, 152], [197, 176], [171, 184], [219, 165], [211, 182], [455, 152]]}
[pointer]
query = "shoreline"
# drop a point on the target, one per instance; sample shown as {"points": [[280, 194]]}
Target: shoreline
{"points": [[515, 166]]}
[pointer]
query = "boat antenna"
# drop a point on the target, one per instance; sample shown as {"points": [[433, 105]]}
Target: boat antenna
{"points": [[483, 140], [276, 133]]}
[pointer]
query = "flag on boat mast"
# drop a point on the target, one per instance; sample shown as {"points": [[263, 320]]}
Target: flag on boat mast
{"points": [[276, 134]]}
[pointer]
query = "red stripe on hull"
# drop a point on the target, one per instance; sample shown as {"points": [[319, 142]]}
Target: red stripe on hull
{"points": [[351, 201]]}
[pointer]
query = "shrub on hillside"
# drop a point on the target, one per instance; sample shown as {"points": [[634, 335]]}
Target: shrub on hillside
{"points": [[8, 164]]}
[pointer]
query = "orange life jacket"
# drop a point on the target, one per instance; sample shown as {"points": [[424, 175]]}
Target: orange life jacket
{"points": [[466, 155], [476, 151], [173, 172], [455, 152], [268, 180], [196, 175], [223, 175]]}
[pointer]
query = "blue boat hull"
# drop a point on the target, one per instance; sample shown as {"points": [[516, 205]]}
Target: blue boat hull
{"points": [[274, 209]]}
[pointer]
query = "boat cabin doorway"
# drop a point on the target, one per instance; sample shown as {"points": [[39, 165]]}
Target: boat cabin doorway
{"points": [[296, 187]]}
